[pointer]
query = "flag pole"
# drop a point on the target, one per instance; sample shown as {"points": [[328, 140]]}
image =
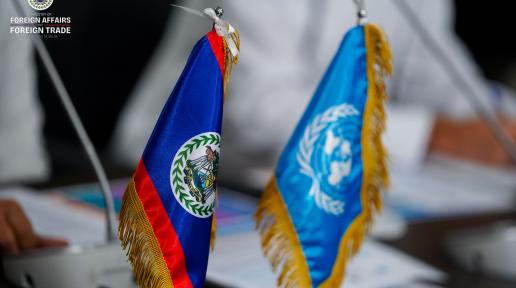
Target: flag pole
{"points": [[361, 12]]}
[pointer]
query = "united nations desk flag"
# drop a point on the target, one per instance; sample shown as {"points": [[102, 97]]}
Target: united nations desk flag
{"points": [[167, 210], [315, 211]]}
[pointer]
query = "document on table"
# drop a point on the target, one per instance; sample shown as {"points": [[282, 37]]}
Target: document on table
{"points": [[238, 262], [53, 217], [444, 189]]}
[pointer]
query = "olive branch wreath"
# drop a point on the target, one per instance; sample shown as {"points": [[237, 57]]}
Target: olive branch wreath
{"points": [[176, 175], [306, 148]]}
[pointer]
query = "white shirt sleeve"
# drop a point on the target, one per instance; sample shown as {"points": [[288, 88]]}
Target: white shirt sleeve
{"points": [[421, 87], [282, 60], [407, 134], [152, 90], [22, 155]]}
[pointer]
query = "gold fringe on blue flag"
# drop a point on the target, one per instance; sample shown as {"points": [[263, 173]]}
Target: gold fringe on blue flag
{"points": [[285, 219]]}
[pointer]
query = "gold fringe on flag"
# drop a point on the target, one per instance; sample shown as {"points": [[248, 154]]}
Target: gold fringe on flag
{"points": [[279, 239], [213, 233], [374, 156], [140, 243], [229, 59]]}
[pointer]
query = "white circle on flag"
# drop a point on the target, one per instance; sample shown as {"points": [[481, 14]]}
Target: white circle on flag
{"points": [[193, 174]]}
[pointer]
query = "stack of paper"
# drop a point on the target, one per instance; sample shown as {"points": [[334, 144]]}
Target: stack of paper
{"points": [[445, 189], [238, 262], [52, 217]]}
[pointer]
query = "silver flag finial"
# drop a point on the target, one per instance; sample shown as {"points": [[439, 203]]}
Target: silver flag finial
{"points": [[219, 11], [361, 11]]}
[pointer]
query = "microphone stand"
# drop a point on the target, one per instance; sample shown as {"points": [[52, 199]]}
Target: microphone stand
{"points": [[67, 103], [489, 249], [97, 265]]}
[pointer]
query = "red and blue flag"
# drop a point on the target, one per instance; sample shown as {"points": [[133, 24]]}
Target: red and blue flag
{"points": [[167, 211]]}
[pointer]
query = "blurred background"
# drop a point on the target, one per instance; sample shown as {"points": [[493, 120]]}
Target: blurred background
{"points": [[113, 43], [99, 94], [133, 34]]}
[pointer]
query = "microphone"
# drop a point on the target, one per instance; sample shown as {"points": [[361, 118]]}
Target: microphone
{"points": [[96, 265], [487, 249], [67, 103], [453, 72]]}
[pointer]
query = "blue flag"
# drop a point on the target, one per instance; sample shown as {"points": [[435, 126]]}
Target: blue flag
{"points": [[316, 209], [167, 209]]}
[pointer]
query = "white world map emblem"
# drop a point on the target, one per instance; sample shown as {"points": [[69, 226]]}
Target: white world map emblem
{"points": [[193, 175], [325, 155]]}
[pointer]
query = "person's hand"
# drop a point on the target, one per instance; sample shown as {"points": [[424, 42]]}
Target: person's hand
{"points": [[471, 139], [16, 232]]}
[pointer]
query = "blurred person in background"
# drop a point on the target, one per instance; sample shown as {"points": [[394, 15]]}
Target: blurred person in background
{"points": [[286, 47], [22, 153], [38, 146]]}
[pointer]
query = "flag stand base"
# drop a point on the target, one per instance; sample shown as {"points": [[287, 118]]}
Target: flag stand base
{"points": [[488, 250], [102, 265]]}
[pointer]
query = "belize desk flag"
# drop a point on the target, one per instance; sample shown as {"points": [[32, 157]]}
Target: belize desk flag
{"points": [[314, 213], [167, 209]]}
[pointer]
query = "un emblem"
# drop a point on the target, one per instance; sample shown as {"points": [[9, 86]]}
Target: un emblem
{"points": [[40, 4], [193, 175], [325, 155]]}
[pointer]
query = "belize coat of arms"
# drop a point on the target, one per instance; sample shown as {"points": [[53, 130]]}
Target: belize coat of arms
{"points": [[194, 171]]}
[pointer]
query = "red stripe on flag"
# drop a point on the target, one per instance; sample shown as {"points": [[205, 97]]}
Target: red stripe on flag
{"points": [[163, 229], [217, 47]]}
